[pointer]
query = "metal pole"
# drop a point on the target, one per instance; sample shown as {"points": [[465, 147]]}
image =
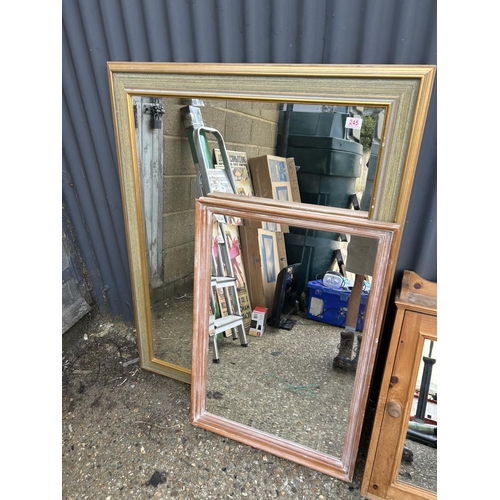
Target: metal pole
{"points": [[285, 130], [424, 387]]}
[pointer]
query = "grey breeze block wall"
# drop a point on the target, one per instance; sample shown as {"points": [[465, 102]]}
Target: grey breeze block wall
{"points": [[250, 127]]}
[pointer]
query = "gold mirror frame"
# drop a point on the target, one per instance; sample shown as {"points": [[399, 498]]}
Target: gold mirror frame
{"points": [[403, 90], [301, 215]]}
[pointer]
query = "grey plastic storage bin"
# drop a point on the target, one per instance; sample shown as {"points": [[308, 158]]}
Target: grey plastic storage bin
{"points": [[315, 124]]}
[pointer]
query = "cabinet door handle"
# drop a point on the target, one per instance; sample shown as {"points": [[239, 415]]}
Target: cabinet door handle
{"points": [[394, 409]]}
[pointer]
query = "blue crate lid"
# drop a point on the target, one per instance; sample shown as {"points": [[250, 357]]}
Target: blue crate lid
{"points": [[342, 293]]}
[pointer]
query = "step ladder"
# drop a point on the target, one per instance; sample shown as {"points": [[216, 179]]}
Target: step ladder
{"points": [[219, 324], [212, 179]]}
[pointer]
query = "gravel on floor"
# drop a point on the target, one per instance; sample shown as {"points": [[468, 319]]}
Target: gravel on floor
{"points": [[126, 434]]}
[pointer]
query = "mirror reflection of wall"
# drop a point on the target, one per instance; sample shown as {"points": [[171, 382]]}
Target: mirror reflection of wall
{"points": [[169, 184], [338, 172], [281, 378]]}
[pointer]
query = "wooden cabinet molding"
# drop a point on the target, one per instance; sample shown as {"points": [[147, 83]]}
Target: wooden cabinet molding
{"points": [[416, 321]]}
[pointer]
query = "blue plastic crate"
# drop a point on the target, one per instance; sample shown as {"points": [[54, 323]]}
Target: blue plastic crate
{"points": [[329, 305]]}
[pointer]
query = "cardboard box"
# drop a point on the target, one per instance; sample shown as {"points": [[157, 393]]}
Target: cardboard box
{"points": [[258, 324], [281, 247], [270, 179], [259, 251], [292, 175]]}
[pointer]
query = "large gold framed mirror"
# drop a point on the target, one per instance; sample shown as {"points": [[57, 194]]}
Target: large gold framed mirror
{"points": [[158, 203], [278, 391]]}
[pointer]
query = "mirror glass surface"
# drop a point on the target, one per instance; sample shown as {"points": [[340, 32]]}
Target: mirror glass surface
{"points": [[419, 460], [283, 382], [335, 151]]}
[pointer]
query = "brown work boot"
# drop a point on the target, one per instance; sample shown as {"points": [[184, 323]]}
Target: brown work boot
{"points": [[354, 361], [343, 358]]}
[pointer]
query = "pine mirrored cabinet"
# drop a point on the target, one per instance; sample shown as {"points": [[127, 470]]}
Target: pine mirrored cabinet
{"points": [[402, 458]]}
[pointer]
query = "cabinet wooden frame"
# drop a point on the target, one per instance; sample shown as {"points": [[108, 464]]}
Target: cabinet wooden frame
{"points": [[299, 215], [415, 322]]}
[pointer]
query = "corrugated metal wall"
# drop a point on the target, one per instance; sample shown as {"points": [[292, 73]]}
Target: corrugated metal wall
{"points": [[266, 31]]}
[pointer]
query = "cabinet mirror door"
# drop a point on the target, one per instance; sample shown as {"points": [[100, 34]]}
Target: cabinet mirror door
{"points": [[419, 458], [404, 464]]}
